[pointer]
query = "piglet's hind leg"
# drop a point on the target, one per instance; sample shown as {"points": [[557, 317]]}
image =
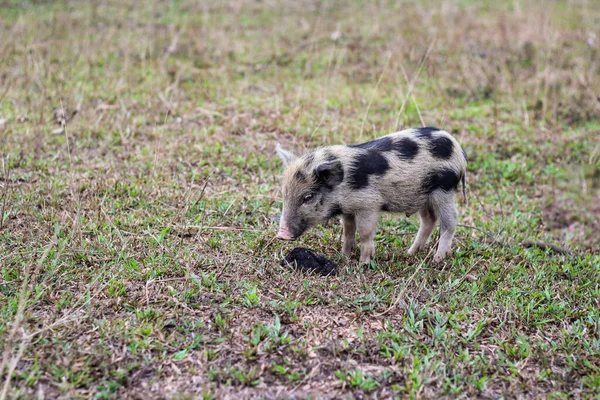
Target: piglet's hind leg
{"points": [[428, 220], [448, 220]]}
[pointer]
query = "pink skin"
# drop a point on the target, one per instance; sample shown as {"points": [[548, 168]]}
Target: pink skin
{"points": [[284, 233]]}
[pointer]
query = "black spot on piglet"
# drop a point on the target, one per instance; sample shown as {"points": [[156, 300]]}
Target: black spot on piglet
{"points": [[308, 260], [366, 164], [406, 148], [425, 132], [381, 144], [444, 179], [441, 147]]}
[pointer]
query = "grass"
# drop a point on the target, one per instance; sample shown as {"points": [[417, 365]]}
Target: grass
{"points": [[140, 191]]}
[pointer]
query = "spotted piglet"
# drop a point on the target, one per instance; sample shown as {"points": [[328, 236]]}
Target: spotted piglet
{"points": [[415, 170]]}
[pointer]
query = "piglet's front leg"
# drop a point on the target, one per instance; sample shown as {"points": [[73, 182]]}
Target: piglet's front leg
{"points": [[367, 224], [349, 224]]}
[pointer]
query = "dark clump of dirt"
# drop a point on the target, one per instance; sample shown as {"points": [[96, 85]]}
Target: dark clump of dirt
{"points": [[308, 260]]}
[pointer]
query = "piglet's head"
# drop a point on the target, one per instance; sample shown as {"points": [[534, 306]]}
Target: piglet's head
{"points": [[308, 192]]}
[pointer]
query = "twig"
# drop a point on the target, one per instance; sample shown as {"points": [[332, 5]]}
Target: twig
{"points": [[4, 193], [545, 246], [203, 214], [202, 192]]}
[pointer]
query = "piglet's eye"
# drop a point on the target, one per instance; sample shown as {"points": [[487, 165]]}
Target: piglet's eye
{"points": [[308, 197]]}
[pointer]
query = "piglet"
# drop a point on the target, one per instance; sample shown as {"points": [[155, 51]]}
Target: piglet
{"points": [[415, 170]]}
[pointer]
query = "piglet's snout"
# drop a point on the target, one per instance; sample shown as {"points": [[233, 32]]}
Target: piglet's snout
{"points": [[284, 233]]}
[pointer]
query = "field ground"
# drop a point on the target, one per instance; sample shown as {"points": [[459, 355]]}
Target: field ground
{"points": [[139, 194]]}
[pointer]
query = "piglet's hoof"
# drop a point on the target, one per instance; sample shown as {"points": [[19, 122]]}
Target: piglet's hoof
{"points": [[366, 254], [308, 260]]}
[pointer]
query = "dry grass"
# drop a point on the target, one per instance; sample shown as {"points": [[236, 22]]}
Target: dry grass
{"points": [[139, 193]]}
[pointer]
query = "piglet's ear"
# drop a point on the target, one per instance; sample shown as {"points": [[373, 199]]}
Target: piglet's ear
{"points": [[285, 155], [330, 173]]}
